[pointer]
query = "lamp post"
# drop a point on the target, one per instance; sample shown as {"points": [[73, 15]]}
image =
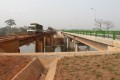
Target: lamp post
{"points": [[99, 21], [95, 13]]}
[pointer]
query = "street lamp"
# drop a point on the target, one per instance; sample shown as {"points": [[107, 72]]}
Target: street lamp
{"points": [[95, 13], [98, 21]]}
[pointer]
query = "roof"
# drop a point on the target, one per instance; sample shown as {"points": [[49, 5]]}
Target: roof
{"points": [[34, 24], [31, 26]]}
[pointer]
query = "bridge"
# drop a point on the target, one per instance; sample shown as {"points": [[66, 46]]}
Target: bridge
{"points": [[11, 44], [98, 40], [90, 40]]}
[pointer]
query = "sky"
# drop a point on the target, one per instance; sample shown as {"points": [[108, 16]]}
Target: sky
{"points": [[60, 14]]}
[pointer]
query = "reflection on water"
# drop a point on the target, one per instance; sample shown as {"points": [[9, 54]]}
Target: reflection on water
{"points": [[84, 48], [57, 49], [31, 48], [28, 48]]}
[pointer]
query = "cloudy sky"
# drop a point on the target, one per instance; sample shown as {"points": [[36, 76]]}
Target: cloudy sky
{"points": [[66, 14]]}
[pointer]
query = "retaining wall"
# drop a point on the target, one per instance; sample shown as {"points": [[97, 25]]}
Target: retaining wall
{"points": [[32, 71]]}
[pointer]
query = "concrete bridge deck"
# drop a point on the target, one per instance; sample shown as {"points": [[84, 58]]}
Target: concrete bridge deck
{"points": [[101, 44]]}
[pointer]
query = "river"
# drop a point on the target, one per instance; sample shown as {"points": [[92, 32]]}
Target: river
{"points": [[30, 48], [27, 48]]}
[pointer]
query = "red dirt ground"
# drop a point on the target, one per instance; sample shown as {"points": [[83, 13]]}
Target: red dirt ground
{"points": [[97, 67], [9, 66]]}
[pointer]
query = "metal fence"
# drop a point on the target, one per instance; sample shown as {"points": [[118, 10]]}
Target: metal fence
{"points": [[105, 34]]}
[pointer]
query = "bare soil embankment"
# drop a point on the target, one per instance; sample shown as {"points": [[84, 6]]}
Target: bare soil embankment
{"points": [[10, 66], [95, 67]]}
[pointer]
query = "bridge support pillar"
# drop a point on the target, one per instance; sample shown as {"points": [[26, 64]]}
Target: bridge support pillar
{"points": [[76, 44], [51, 39], [48, 41], [68, 43], [39, 45], [76, 47], [44, 43], [65, 39]]}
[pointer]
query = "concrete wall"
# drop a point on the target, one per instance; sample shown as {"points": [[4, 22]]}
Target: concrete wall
{"points": [[32, 71]]}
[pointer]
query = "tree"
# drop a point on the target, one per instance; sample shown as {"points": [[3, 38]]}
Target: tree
{"points": [[10, 22], [108, 24], [3, 31], [99, 23]]}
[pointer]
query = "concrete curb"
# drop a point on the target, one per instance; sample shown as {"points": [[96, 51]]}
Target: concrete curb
{"points": [[51, 72], [58, 54]]}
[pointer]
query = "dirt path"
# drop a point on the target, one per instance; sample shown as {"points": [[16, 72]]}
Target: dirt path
{"points": [[49, 64], [52, 70]]}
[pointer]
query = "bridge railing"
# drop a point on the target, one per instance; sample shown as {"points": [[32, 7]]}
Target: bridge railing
{"points": [[105, 34]]}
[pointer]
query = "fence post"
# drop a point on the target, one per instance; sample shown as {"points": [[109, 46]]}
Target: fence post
{"points": [[104, 34], [114, 35], [96, 33]]}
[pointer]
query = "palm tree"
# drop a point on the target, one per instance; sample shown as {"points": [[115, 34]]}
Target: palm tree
{"points": [[10, 22]]}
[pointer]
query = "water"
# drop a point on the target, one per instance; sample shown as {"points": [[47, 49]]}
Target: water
{"points": [[31, 48], [27, 48], [84, 48], [57, 49]]}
